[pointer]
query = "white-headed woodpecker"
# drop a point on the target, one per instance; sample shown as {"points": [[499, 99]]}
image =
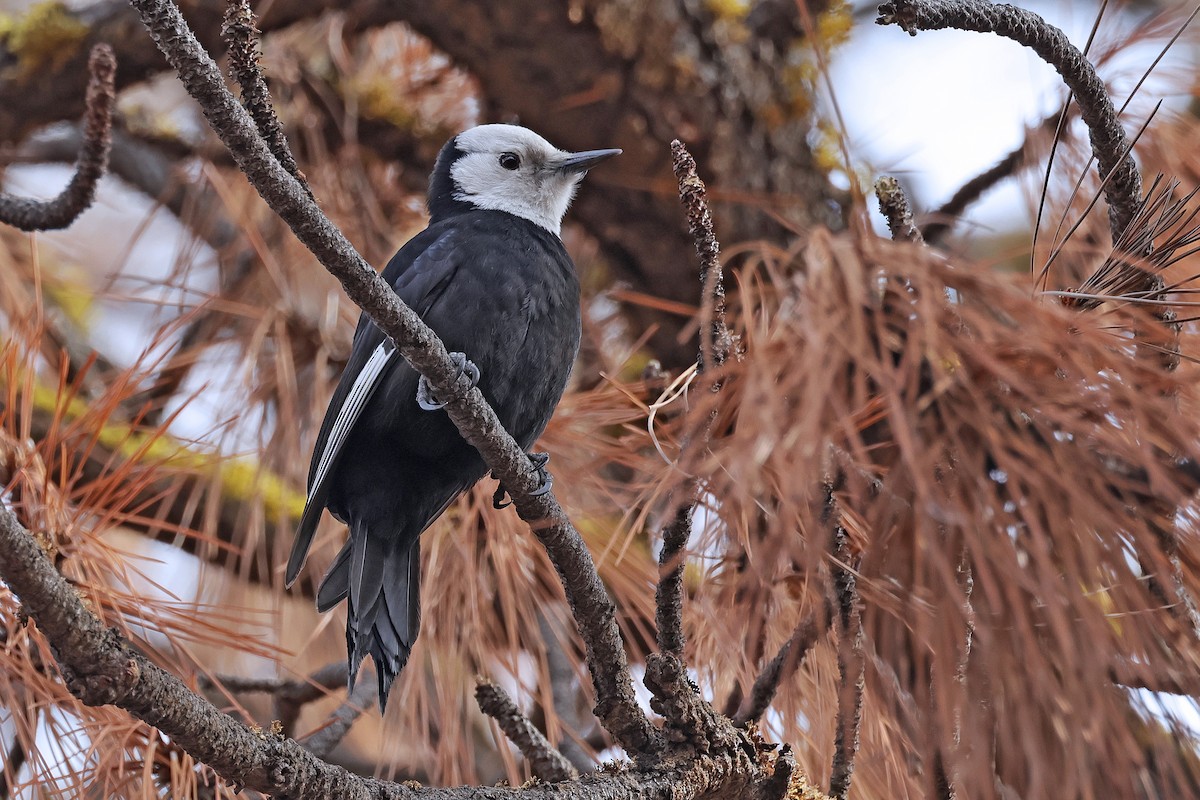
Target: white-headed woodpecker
{"points": [[491, 277]]}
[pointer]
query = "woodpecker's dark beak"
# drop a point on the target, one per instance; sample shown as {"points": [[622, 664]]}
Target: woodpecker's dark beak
{"points": [[582, 162]]}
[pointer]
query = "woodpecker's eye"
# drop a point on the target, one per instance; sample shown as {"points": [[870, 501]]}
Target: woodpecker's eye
{"points": [[510, 160]]}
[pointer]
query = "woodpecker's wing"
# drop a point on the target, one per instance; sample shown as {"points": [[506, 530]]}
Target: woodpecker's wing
{"points": [[348, 412], [419, 273]]}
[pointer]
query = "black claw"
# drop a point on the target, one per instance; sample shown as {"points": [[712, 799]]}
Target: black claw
{"points": [[425, 397], [539, 461], [498, 501]]}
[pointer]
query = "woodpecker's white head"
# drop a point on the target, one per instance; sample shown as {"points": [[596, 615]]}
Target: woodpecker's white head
{"points": [[512, 169]]}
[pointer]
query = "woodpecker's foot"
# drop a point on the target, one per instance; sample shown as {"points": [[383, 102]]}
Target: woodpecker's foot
{"points": [[539, 461], [425, 396]]}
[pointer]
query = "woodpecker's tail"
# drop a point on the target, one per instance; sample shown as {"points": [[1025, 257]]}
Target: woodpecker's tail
{"points": [[382, 580]]}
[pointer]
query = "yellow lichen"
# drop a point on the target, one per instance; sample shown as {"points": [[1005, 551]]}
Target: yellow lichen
{"points": [[241, 479], [71, 295], [827, 154], [377, 99], [44, 38], [834, 24], [728, 9]]}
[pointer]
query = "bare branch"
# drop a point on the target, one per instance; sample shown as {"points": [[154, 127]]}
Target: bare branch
{"points": [[715, 339], [593, 610], [715, 345], [61, 211], [321, 742], [1156, 678], [944, 216], [1122, 181], [896, 210], [851, 661], [785, 663], [241, 37], [691, 720], [668, 601], [546, 762], [290, 696]]}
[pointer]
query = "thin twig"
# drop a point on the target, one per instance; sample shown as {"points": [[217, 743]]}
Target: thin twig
{"points": [[1122, 182], [785, 663], [321, 742], [241, 35], [61, 211], [546, 762], [896, 210], [591, 606], [851, 661], [668, 601], [715, 340], [943, 218], [715, 345], [290, 696]]}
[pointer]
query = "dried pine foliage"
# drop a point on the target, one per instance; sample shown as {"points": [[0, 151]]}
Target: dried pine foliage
{"points": [[1017, 478]]}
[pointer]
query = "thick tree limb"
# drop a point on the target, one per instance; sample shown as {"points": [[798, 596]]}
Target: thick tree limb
{"points": [[746, 118], [61, 211], [746, 122]]}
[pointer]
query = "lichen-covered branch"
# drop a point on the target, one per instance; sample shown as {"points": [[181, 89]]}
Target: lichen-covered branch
{"points": [[896, 210], [61, 211]]}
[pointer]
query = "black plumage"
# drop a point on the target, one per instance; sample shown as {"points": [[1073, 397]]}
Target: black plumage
{"points": [[496, 286]]}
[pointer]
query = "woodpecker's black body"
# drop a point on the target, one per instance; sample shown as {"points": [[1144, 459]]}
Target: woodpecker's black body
{"points": [[500, 289]]}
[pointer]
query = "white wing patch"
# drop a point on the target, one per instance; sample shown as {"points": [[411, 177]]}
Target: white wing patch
{"points": [[356, 399]]}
